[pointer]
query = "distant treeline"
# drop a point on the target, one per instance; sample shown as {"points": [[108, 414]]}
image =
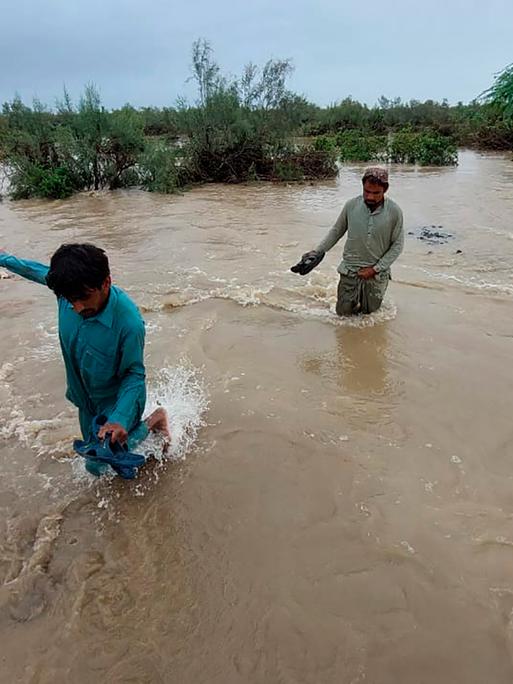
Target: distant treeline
{"points": [[249, 128], [478, 125]]}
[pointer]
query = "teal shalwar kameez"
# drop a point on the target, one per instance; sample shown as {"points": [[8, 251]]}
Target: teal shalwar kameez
{"points": [[103, 356]]}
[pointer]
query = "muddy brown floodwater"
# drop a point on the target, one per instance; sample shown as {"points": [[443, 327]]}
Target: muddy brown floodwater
{"points": [[338, 507]]}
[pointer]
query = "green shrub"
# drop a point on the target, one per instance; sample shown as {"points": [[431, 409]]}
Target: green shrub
{"points": [[325, 143], [297, 163], [57, 183], [238, 129], [315, 164], [54, 155], [30, 180], [427, 148], [160, 169], [159, 122], [436, 150], [403, 147], [287, 170], [358, 146], [104, 144]]}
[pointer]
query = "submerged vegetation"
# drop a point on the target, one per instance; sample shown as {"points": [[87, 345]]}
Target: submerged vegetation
{"points": [[239, 129], [405, 146]]}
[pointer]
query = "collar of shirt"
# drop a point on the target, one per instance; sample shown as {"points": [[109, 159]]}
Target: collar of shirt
{"points": [[376, 211], [106, 315]]}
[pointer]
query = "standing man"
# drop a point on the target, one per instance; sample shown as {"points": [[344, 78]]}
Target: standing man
{"points": [[375, 238], [101, 333]]}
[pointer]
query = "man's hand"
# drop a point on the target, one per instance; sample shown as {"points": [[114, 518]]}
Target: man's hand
{"points": [[308, 262], [116, 430], [367, 273]]}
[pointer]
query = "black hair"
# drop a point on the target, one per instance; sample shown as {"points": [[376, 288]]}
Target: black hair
{"points": [[76, 269], [375, 180]]}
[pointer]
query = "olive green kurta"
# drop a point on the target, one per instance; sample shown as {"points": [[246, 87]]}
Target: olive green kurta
{"points": [[373, 238]]}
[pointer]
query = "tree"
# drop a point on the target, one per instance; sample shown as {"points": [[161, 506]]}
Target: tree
{"points": [[204, 70], [500, 94]]}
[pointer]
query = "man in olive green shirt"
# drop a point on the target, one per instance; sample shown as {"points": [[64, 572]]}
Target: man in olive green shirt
{"points": [[375, 238]]}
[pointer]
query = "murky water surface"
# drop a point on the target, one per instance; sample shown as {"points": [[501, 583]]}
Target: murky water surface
{"points": [[338, 507]]}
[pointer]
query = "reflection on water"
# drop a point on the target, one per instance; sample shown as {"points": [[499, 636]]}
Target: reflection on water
{"points": [[353, 350], [356, 352]]}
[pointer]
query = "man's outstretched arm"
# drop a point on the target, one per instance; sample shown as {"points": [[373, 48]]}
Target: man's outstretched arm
{"points": [[32, 270], [336, 233]]}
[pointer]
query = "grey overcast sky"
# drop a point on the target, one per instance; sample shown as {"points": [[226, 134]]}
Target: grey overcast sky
{"points": [[140, 51]]}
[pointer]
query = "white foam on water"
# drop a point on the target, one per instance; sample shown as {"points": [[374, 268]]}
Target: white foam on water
{"points": [[15, 423], [472, 282], [5, 371], [315, 297], [243, 295], [182, 392], [152, 327], [387, 312]]}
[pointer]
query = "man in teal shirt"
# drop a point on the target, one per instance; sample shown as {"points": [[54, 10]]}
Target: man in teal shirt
{"points": [[375, 238], [101, 333]]}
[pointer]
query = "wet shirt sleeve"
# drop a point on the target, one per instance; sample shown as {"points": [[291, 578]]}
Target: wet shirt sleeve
{"points": [[131, 397], [31, 270], [396, 245], [338, 231]]}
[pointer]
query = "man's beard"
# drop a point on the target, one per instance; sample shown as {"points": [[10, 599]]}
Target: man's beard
{"points": [[88, 313], [373, 205]]}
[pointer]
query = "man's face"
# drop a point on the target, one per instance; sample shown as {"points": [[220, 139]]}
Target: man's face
{"points": [[93, 302], [373, 194]]}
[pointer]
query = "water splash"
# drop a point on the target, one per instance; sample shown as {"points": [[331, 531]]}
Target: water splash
{"points": [[179, 389], [314, 297], [182, 392]]}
